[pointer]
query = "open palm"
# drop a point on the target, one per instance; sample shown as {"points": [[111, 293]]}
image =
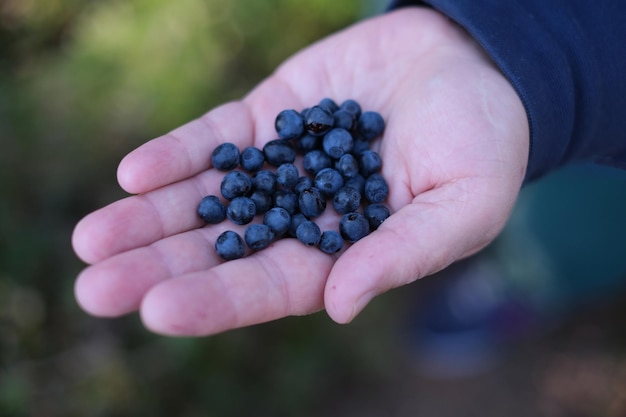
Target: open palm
{"points": [[454, 154]]}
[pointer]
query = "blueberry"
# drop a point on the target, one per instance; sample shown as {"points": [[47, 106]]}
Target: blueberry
{"points": [[318, 121], [252, 159], [289, 124], [369, 162], [296, 220], [376, 188], [278, 219], [235, 184], [357, 182], [347, 166], [286, 199], [225, 157], [303, 183], [337, 142], [359, 145], [279, 151], [328, 181], [287, 175], [353, 226], [258, 236], [329, 105], [241, 210], [346, 200], [312, 203], [306, 143], [265, 180], [229, 245], [351, 106], [370, 125], [211, 209], [316, 160], [344, 119], [262, 201], [309, 233], [330, 242], [376, 214]]}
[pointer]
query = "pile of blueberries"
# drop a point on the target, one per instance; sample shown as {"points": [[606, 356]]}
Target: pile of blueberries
{"points": [[340, 169]]}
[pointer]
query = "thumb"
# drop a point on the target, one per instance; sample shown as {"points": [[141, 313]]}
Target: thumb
{"points": [[439, 227]]}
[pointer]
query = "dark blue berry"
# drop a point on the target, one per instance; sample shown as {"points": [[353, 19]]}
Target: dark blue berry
{"points": [[370, 125], [279, 151], [376, 214], [303, 183], [289, 124], [328, 181], [241, 210], [225, 157], [265, 181], [316, 160], [258, 236], [296, 220], [287, 175], [252, 159], [229, 245], [357, 182], [346, 200], [307, 143], [369, 162], [262, 201], [347, 166], [286, 199], [312, 203], [211, 209], [278, 219], [344, 119], [337, 142], [351, 106], [318, 121], [309, 233], [353, 226], [330, 242], [376, 188], [328, 104], [235, 184], [359, 145]]}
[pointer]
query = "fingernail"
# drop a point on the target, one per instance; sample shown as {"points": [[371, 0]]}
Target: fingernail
{"points": [[360, 304]]}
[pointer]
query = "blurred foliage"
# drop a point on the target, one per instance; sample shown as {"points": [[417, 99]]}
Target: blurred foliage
{"points": [[81, 84]]}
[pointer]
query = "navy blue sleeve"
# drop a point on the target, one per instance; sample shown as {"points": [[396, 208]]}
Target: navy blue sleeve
{"points": [[567, 61]]}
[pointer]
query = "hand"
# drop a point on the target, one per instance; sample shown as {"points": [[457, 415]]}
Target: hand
{"points": [[454, 154]]}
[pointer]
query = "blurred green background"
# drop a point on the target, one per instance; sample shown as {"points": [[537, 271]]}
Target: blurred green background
{"points": [[84, 82]]}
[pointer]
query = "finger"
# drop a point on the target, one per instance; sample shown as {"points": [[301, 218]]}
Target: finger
{"points": [[284, 279], [186, 150], [143, 219], [439, 227], [116, 286]]}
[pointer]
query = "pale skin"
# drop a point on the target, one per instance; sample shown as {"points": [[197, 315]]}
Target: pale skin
{"points": [[454, 154]]}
